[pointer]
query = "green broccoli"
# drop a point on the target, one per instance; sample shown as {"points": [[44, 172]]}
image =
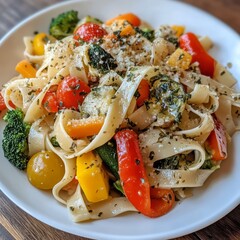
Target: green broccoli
{"points": [[100, 59], [15, 138], [64, 24]]}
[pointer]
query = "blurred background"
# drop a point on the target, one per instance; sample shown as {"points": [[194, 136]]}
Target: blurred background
{"points": [[13, 11]]}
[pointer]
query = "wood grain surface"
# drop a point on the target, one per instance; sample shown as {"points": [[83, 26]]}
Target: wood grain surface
{"points": [[16, 224]]}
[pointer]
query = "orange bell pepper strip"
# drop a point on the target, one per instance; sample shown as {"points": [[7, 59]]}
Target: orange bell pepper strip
{"points": [[77, 129], [143, 92], [152, 202], [190, 43], [217, 142], [130, 17], [125, 28], [26, 69]]}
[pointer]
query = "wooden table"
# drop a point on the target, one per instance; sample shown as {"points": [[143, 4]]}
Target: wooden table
{"points": [[15, 223]]}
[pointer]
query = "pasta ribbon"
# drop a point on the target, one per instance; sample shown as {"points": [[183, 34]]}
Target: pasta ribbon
{"points": [[80, 211], [156, 147]]}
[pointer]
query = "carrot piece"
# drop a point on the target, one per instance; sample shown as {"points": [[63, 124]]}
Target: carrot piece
{"points": [[26, 69], [143, 91], [130, 17], [77, 129]]}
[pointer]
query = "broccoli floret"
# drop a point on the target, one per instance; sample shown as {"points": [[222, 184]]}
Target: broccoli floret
{"points": [[63, 25], [100, 59], [15, 139]]}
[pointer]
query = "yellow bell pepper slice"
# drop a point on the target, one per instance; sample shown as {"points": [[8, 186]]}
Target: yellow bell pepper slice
{"points": [[92, 177], [38, 43], [179, 30], [180, 58]]}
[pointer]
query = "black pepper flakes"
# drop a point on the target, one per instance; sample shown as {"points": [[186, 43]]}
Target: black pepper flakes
{"points": [[137, 161]]}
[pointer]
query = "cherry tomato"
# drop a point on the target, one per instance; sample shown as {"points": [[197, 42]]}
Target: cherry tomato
{"points": [[50, 102], [71, 92], [45, 169], [89, 32]]}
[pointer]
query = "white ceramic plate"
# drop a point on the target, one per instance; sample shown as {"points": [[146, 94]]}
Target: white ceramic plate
{"points": [[220, 194]]}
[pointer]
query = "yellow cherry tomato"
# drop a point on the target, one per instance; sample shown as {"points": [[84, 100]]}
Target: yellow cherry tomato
{"points": [[39, 41], [45, 169]]}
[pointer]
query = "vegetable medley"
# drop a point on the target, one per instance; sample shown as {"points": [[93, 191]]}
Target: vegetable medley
{"points": [[115, 116]]}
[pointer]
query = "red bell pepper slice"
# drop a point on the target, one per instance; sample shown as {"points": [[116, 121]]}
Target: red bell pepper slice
{"points": [[152, 202], [217, 141], [2, 103], [190, 43], [143, 91]]}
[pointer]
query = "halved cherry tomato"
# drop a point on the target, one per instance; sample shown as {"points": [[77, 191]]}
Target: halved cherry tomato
{"points": [[143, 91], [71, 92], [89, 32], [217, 141], [2, 103], [149, 201], [50, 101]]}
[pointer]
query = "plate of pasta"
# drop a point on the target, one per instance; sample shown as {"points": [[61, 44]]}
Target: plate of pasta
{"points": [[116, 114]]}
